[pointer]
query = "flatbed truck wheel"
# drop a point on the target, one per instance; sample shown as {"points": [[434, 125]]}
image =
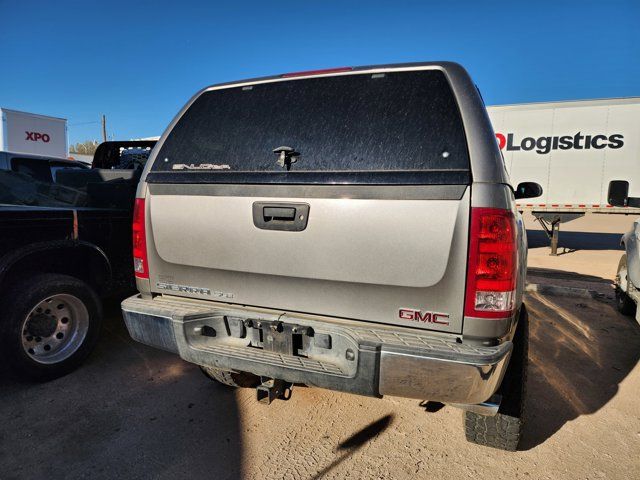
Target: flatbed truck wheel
{"points": [[503, 431], [50, 324]]}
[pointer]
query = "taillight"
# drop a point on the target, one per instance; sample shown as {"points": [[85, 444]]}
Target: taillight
{"points": [[493, 264], [140, 264]]}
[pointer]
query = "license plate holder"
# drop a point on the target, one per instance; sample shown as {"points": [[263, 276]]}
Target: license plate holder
{"points": [[285, 338]]}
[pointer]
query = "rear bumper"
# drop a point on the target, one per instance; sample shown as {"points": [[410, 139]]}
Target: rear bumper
{"points": [[339, 355]]}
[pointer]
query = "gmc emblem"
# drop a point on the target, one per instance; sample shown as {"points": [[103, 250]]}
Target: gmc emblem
{"points": [[35, 136], [414, 315]]}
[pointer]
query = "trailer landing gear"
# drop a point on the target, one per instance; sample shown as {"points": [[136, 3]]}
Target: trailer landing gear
{"points": [[551, 224]]}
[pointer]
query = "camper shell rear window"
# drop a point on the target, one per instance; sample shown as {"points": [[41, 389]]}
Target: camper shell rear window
{"points": [[383, 128]]}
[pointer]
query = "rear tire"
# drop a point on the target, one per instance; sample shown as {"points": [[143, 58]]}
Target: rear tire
{"points": [[503, 431], [232, 379], [624, 304], [50, 324]]}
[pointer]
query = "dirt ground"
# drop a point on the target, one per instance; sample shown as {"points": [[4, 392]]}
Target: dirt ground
{"points": [[589, 245], [135, 412]]}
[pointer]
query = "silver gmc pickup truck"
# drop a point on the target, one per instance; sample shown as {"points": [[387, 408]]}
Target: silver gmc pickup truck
{"points": [[351, 229]]}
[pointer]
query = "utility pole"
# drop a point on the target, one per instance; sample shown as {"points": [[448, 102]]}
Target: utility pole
{"points": [[104, 128]]}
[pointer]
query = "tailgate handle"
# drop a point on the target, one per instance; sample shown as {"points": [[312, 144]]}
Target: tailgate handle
{"points": [[289, 217], [279, 214]]}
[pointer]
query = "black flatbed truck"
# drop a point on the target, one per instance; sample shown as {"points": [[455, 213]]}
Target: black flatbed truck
{"points": [[64, 247]]}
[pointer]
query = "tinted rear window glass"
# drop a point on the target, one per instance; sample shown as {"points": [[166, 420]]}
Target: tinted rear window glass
{"points": [[75, 187], [388, 126]]}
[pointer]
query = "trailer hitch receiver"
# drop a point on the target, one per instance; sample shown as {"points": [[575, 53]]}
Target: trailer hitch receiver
{"points": [[271, 389]]}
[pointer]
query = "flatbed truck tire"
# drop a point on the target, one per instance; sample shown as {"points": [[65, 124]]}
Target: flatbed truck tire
{"points": [[49, 325]]}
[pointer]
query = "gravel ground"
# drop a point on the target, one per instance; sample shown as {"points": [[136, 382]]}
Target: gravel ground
{"points": [[136, 412]]}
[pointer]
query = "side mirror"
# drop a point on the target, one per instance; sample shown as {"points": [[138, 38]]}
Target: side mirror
{"points": [[528, 190], [618, 194]]}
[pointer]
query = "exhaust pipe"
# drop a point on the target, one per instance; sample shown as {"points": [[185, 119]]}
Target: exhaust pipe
{"points": [[271, 389]]}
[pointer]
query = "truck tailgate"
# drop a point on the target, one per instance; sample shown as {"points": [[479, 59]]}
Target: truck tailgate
{"points": [[388, 254]]}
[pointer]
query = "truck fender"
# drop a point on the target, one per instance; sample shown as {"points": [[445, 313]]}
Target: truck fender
{"points": [[10, 260], [630, 244]]}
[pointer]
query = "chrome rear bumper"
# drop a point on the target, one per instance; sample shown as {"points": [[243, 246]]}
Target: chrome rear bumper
{"points": [[339, 354]]}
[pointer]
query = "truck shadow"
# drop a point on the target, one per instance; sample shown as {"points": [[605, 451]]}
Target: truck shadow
{"points": [[137, 412], [580, 350], [576, 240], [129, 412], [570, 279]]}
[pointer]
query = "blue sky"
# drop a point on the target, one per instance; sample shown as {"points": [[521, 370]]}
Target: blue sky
{"points": [[139, 62]]}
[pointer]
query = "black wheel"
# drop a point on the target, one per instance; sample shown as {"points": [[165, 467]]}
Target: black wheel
{"points": [[49, 326], [232, 379], [503, 431], [625, 305]]}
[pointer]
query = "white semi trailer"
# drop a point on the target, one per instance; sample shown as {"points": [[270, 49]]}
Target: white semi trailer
{"points": [[583, 153], [30, 133]]}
